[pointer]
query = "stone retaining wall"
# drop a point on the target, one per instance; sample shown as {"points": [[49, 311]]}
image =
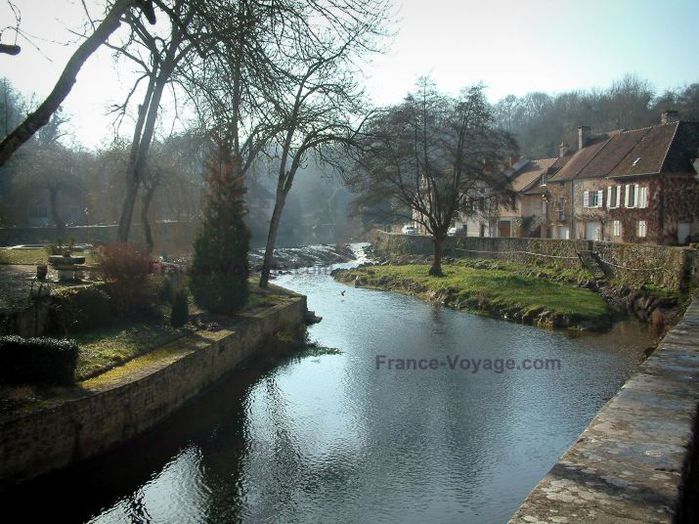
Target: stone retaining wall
{"points": [[629, 264], [631, 463], [113, 411]]}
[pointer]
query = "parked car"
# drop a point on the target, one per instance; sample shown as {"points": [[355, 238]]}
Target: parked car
{"points": [[409, 229]]}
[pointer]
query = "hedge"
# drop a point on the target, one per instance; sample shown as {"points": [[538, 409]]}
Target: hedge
{"points": [[37, 360]]}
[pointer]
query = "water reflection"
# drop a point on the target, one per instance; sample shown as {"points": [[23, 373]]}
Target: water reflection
{"points": [[332, 438]]}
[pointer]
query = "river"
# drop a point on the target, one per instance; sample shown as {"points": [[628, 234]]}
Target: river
{"points": [[331, 438]]}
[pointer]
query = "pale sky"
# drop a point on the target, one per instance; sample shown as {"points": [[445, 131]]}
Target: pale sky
{"points": [[512, 46]]}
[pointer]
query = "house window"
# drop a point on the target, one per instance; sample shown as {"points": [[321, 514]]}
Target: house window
{"points": [[543, 180], [631, 199], [613, 196], [616, 228], [592, 199], [643, 197], [641, 229]]}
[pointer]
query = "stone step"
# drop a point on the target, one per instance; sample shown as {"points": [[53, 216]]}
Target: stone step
{"points": [[590, 260]]}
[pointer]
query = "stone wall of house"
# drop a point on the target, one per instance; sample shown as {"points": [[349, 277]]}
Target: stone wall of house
{"points": [[629, 217], [532, 215], [558, 199], [680, 204], [671, 200], [632, 265], [113, 411], [168, 236]]}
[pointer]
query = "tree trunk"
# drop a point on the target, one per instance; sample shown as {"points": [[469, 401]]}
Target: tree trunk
{"points": [[142, 145], [145, 209], [43, 113], [436, 269], [272, 239], [58, 222], [127, 209]]}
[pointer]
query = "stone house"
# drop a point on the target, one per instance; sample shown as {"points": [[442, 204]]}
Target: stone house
{"points": [[528, 181], [627, 186], [638, 185]]}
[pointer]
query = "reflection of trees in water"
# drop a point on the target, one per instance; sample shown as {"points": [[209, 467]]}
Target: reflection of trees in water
{"points": [[136, 509]]}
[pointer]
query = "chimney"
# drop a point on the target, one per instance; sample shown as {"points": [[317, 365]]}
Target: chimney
{"points": [[563, 149], [584, 133], [514, 158], [669, 116]]}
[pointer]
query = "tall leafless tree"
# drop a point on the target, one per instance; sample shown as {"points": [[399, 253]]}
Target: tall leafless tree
{"points": [[320, 104], [163, 55], [435, 157], [42, 114]]}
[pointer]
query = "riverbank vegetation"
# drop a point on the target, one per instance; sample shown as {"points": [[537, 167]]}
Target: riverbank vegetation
{"points": [[495, 289], [129, 344]]}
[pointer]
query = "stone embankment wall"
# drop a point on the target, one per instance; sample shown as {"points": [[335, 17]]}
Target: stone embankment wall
{"points": [[626, 264], [113, 411], [636, 460]]}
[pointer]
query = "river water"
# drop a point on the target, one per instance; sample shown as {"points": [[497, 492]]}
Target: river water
{"points": [[331, 438]]}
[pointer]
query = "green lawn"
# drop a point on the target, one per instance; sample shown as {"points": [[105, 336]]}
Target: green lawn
{"points": [[30, 257], [102, 349], [501, 287], [105, 348], [23, 256]]}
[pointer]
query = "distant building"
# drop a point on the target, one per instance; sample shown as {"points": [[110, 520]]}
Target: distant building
{"points": [[638, 185], [635, 185]]}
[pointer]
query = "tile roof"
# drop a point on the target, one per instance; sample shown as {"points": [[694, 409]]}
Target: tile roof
{"points": [[529, 174], [655, 149]]}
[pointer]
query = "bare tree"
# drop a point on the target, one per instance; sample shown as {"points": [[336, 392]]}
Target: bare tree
{"points": [[11, 49], [12, 107], [320, 104], [435, 157], [164, 54], [42, 114], [324, 110], [47, 165]]}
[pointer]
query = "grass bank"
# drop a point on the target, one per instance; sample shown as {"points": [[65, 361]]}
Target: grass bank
{"points": [[31, 256], [495, 289]]}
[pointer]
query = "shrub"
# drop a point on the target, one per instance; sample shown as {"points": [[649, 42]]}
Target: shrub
{"points": [[219, 272], [180, 309], [167, 290], [125, 269], [37, 360], [81, 309]]}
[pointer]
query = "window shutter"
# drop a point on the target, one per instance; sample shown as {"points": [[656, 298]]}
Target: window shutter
{"points": [[610, 204], [600, 197], [586, 199]]}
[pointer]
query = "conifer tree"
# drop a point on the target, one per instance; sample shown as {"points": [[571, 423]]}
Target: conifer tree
{"points": [[219, 272]]}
